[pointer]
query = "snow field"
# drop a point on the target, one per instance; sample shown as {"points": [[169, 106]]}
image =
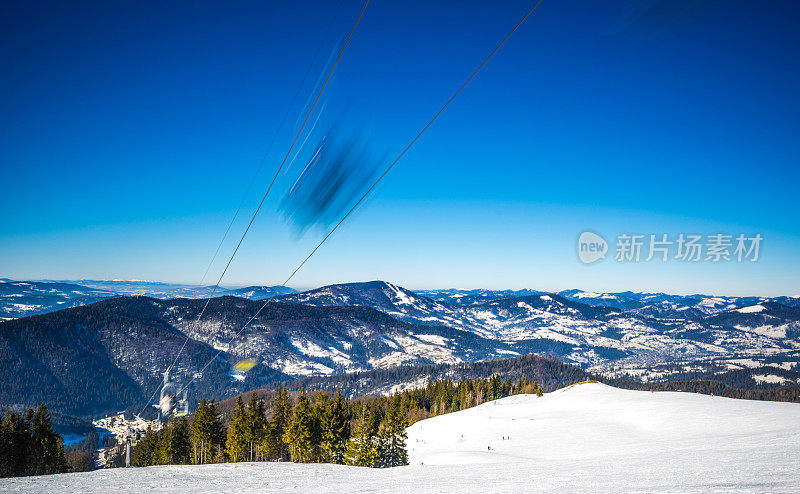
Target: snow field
{"points": [[584, 438]]}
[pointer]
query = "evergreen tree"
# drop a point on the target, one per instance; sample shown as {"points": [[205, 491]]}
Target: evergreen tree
{"points": [[298, 434], [15, 444], [318, 410], [46, 454], [6, 469], [362, 449], [161, 456], [281, 415], [236, 443], [202, 432], [255, 426], [218, 431], [393, 436], [145, 452], [179, 445], [335, 430]]}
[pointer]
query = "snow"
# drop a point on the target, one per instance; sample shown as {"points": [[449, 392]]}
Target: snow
{"points": [[770, 378], [311, 349], [751, 309], [592, 421], [506, 352], [302, 368], [433, 338], [784, 365], [766, 330], [391, 360], [588, 295], [390, 343], [746, 362], [585, 438], [397, 388], [400, 296]]}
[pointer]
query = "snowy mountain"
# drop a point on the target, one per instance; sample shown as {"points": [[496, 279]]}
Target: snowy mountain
{"points": [[259, 292], [388, 298], [467, 297], [666, 306], [113, 352], [105, 357], [650, 304], [27, 298], [596, 335], [175, 290], [584, 438]]}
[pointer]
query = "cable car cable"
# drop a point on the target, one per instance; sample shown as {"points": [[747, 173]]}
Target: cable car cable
{"points": [[264, 197], [364, 196], [272, 141]]}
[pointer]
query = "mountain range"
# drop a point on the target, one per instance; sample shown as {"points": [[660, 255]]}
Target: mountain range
{"points": [[28, 298], [110, 354]]}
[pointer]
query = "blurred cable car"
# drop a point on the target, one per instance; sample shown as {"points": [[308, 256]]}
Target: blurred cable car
{"points": [[173, 401]]}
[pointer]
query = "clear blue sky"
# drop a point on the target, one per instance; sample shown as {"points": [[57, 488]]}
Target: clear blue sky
{"points": [[129, 132]]}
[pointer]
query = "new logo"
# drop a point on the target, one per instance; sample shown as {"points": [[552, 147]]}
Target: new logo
{"points": [[591, 247]]}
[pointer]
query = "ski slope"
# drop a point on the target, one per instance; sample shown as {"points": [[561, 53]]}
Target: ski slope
{"points": [[585, 438]]}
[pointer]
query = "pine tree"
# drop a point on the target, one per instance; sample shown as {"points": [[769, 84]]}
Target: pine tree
{"points": [[255, 426], [145, 452], [298, 434], [46, 455], [161, 454], [393, 436], [281, 415], [218, 431], [6, 469], [318, 411], [202, 432], [362, 449], [179, 446], [15, 444], [236, 444], [335, 430]]}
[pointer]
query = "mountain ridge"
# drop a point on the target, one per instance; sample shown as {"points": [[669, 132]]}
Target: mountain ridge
{"points": [[325, 332]]}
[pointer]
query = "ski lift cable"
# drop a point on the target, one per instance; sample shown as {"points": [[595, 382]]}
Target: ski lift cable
{"points": [[374, 184], [264, 197], [274, 138]]}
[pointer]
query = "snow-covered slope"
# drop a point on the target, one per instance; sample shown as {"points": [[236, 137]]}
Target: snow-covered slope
{"points": [[592, 420], [586, 438]]}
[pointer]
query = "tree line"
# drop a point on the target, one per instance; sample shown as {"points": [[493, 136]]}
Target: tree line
{"points": [[323, 428], [29, 446], [549, 372]]}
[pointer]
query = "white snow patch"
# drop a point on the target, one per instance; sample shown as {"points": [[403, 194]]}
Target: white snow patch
{"points": [[751, 309], [433, 338], [770, 378], [506, 352]]}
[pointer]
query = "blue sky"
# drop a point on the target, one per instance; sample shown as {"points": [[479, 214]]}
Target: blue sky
{"points": [[130, 131]]}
